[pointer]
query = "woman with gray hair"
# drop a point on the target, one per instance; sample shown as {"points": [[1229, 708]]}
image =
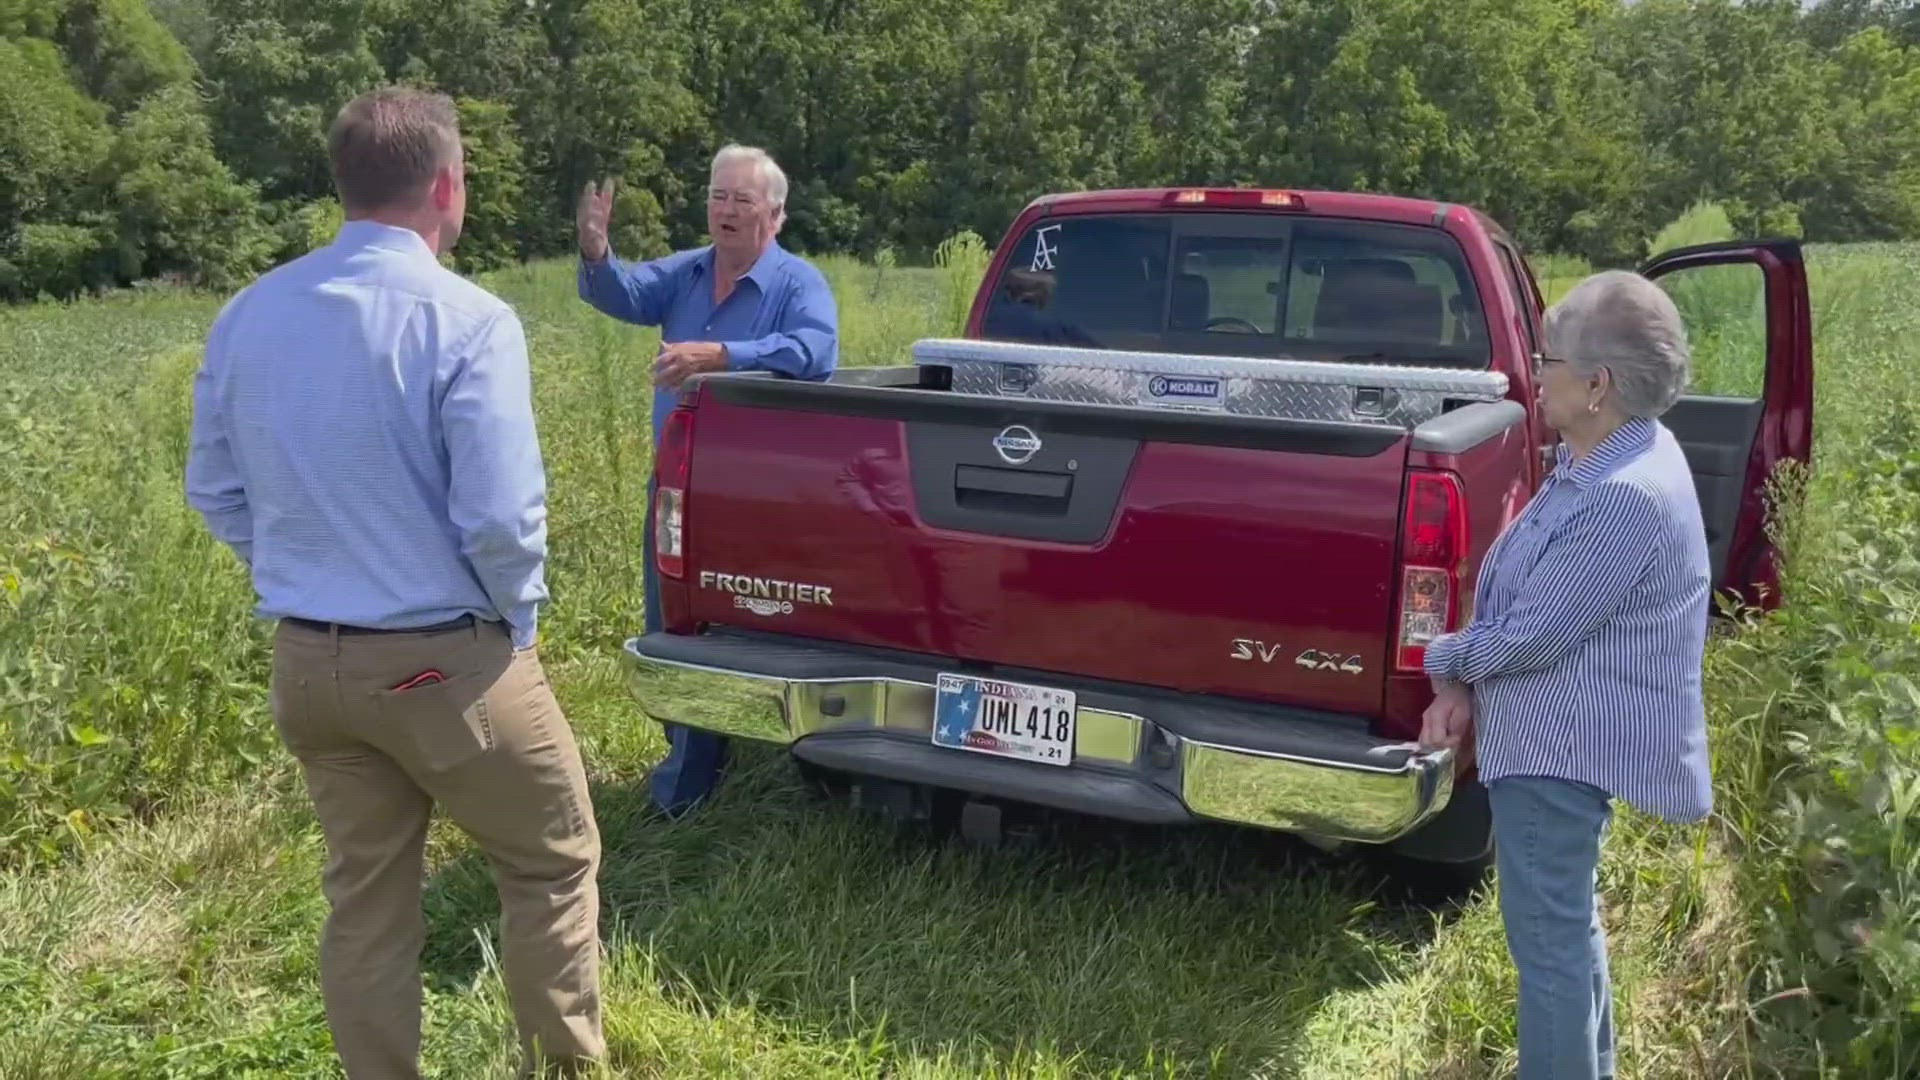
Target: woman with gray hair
{"points": [[1578, 680]]}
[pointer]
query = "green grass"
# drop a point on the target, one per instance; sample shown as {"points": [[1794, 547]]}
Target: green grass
{"points": [[159, 901]]}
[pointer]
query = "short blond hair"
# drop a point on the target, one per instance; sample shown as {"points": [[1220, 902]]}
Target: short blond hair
{"points": [[386, 144]]}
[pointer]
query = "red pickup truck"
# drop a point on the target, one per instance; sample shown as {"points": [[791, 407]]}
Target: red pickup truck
{"points": [[1163, 538]]}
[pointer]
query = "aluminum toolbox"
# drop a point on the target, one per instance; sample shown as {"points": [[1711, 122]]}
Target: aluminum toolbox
{"points": [[1243, 386]]}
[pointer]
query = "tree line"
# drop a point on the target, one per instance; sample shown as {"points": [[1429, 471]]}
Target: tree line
{"points": [[185, 139]]}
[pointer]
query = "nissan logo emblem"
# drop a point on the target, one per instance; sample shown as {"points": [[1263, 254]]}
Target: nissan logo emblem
{"points": [[1016, 445]]}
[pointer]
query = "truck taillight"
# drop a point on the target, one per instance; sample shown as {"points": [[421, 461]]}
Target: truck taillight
{"points": [[672, 463], [1432, 548]]}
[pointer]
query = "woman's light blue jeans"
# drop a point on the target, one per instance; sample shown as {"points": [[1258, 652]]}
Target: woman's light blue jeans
{"points": [[1547, 835]]}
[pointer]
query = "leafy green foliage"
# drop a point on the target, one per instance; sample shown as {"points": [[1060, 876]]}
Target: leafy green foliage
{"points": [[120, 53], [1842, 928], [496, 187], [55, 258], [1866, 183], [298, 227], [112, 173], [179, 210], [279, 71], [1581, 125], [53, 139]]}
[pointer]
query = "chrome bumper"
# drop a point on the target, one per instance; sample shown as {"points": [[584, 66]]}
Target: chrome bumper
{"points": [[1381, 792]]}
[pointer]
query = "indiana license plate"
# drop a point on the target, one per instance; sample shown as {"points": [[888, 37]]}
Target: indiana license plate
{"points": [[988, 716]]}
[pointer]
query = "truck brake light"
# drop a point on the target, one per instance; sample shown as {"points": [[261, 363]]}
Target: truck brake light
{"points": [[1243, 198], [1433, 546], [673, 460]]}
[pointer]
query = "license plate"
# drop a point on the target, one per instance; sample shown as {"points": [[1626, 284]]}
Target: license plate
{"points": [[987, 716]]}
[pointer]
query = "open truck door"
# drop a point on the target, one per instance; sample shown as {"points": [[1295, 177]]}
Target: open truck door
{"points": [[1749, 407]]}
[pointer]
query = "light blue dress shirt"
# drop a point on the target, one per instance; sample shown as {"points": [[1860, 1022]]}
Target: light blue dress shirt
{"points": [[363, 438], [780, 317], [1590, 621]]}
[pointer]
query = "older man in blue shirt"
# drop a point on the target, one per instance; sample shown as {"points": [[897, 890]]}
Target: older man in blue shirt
{"points": [[743, 303]]}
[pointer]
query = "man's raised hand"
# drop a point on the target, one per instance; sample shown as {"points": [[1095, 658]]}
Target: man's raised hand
{"points": [[595, 210]]}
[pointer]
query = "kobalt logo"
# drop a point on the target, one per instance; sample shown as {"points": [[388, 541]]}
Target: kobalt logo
{"points": [[1016, 445], [1175, 386]]}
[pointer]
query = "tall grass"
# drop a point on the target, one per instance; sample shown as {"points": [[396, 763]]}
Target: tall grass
{"points": [[128, 666], [1555, 274], [963, 260], [1820, 708]]}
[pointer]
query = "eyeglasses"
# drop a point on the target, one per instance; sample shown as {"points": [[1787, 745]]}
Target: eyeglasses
{"points": [[1541, 360]]}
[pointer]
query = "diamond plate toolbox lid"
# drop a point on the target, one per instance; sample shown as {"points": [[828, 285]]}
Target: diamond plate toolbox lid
{"points": [[1404, 396]]}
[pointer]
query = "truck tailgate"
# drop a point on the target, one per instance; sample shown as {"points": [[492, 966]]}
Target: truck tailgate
{"points": [[1222, 555]]}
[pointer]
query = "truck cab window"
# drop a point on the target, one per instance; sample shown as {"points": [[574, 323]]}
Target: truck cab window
{"points": [[1094, 282], [1228, 284], [1321, 289]]}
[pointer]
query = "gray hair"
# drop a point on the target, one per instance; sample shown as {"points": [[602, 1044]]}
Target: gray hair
{"points": [[773, 182], [1625, 323]]}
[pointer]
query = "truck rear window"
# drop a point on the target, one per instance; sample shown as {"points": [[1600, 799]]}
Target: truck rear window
{"points": [[1244, 285]]}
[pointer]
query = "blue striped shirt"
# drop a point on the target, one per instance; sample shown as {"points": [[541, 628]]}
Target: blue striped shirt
{"points": [[363, 438], [1590, 621]]}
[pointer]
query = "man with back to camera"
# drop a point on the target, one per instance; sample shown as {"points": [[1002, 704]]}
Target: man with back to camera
{"points": [[363, 438], [743, 303]]}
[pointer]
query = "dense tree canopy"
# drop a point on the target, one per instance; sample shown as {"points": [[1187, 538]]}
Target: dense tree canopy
{"points": [[143, 138]]}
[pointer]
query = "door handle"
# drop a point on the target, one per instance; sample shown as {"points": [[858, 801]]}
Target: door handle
{"points": [[1012, 491]]}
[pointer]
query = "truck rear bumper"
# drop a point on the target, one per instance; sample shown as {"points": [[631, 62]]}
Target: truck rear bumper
{"points": [[1140, 755]]}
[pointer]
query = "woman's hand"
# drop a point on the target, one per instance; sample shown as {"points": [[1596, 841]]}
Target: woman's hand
{"points": [[1449, 720]]}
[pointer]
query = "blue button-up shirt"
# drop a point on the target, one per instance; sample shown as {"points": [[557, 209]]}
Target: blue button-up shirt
{"points": [[363, 438], [780, 317], [1590, 620]]}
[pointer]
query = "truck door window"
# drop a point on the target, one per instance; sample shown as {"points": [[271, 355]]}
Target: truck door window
{"points": [[1522, 295], [1724, 309]]}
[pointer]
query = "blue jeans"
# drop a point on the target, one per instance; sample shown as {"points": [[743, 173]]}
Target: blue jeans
{"points": [[694, 758], [1547, 835]]}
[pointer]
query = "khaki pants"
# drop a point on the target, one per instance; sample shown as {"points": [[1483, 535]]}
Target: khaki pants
{"points": [[490, 746]]}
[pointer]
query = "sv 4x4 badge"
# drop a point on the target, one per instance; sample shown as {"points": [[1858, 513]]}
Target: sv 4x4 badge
{"points": [[1312, 659]]}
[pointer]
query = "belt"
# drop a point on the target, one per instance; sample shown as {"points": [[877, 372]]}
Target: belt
{"points": [[460, 623]]}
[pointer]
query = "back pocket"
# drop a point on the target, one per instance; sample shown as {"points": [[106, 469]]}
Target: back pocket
{"points": [[446, 722]]}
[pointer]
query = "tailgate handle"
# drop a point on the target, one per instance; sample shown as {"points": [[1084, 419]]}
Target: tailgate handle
{"points": [[979, 487]]}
